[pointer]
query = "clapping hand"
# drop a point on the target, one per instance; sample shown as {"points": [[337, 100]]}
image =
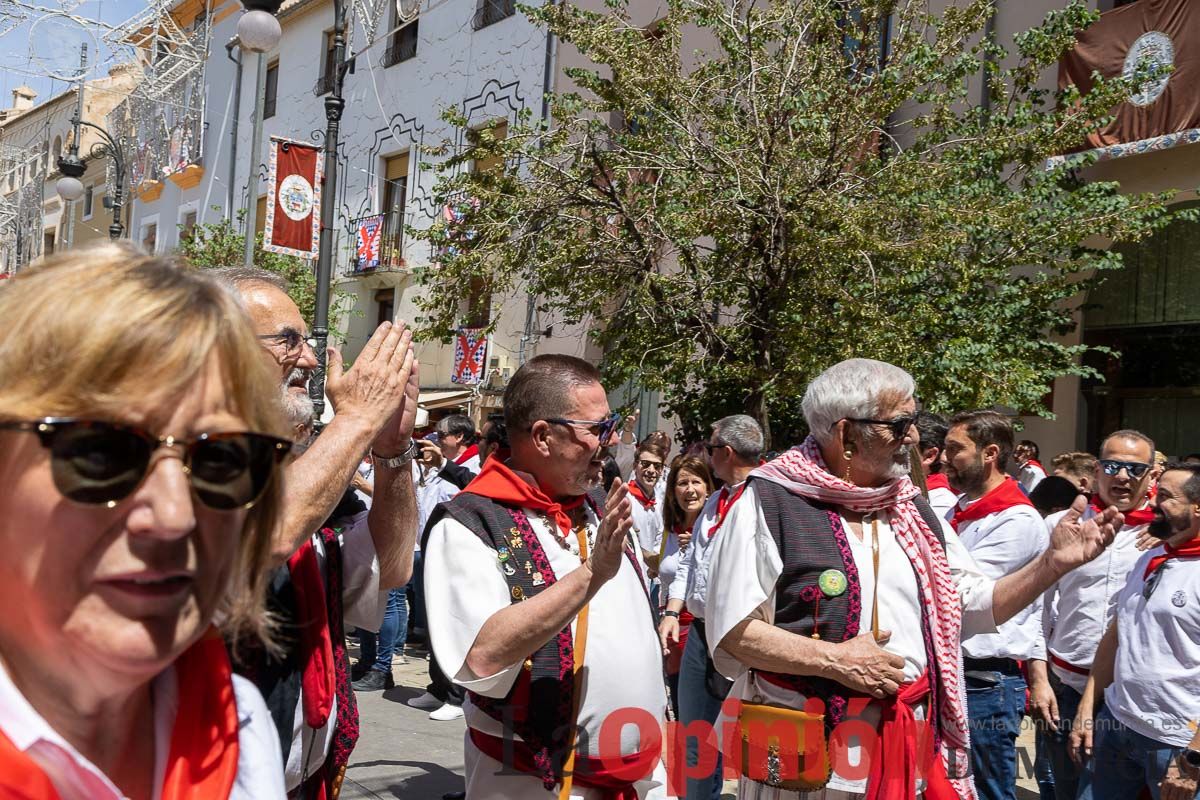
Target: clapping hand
{"points": [[609, 548]]}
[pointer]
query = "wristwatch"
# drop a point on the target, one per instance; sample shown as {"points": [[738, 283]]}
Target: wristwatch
{"points": [[1190, 757], [670, 613], [401, 460]]}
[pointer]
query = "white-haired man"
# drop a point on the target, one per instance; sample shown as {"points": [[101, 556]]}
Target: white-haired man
{"points": [[834, 580]]}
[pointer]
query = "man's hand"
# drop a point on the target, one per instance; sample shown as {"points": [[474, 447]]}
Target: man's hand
{"points": [[668, 631], [373, 389], [1178, 784], [1079, 745], [1073, 543], [608, 550], [431, 454], [1145, 541], [396, 435], [864, 666], [685, 538], [1044, 703]]}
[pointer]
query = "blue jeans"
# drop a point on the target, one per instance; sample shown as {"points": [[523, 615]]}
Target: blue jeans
{"points": [[1123, 762], [392, 633], [697, 703], [995, 711], [1070, 783], [416, 589]]}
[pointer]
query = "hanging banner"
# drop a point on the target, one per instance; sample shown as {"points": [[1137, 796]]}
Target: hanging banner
{"points": [[1158, 34], [370, 231], [470, 356], [293, 226]]}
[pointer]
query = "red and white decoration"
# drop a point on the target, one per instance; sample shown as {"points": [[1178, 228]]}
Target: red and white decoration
{"points": [[470, 356], [293, 226]]}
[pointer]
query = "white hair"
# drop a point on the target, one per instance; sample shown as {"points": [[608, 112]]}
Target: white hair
{"points": [[852, 389]]}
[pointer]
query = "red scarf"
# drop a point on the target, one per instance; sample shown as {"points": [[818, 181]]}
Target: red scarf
{"points": [[497, 482], [896, 763], [467, 455], [635, 490], [316, 645], [937, 480], [1033, 462], [1006, 495], [202, 761], [1138, 516], [724, 504], [1186, 550]]}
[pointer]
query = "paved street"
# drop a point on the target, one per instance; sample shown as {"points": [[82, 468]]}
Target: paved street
{"points": [[403, 755]]}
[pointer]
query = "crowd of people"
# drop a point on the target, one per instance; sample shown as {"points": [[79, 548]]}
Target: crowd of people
{"points": [[871, 613]]}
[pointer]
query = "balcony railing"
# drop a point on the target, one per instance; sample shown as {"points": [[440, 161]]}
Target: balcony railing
{"points": [[324, 85], [378, 242], [492, 11], [402, 48]]}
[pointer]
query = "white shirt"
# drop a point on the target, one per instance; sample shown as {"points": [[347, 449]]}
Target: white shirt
{"points": [[1078, 609], [473, 464], [1002, 543], [362, 607], [259, 772], [465, 586], [431, 488], [367, 470], [1030, 475], [690, 583], [1156, 681], [647, 524], [943, 502], [745, 565]]}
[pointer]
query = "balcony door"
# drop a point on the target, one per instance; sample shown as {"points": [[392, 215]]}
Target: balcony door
{"points": [[395, 198]]}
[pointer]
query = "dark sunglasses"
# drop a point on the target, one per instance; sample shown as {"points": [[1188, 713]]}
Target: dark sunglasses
{"points": [[644, 464], [898, 427], [1136, 469], [602, 429], [102, 463], [291, 339]]}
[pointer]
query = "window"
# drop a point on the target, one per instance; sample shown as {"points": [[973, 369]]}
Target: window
{"points": [[150, 237], [325, 82], [260, 214], [488, 12], [395, 199], [386, 300], [499, 131], [48, 243], [402, 45], [187, 224], [89, 200], [270, 90]]}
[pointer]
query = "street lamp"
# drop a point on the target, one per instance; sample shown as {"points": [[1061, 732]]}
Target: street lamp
{"points": [[258, 32]]}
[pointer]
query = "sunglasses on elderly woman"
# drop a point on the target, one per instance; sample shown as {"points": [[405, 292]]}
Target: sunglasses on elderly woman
{"points": [[102, 463], [898, 427]]}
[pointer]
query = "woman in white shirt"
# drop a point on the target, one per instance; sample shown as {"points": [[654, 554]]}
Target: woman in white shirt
{"points": [[140, 436]]}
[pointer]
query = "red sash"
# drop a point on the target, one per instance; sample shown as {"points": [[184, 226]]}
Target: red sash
{"points": [[1138, 516], [497, 482], [906, 751], [202, 761], [467, 455], [635, 491], [613, 778], [1187, 550], [937, 480], [724, 503], [1068, 666], [1006, 495], [316, 645]]}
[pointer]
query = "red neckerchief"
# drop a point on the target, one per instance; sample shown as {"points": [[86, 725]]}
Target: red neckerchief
{"points": [[635, 491], [1186, 550], [1036, 463], [497, 482], [202, 761], [467, 455], [316, 645], [1006, 495], [724, 503], [1138, 516], [937, 480]]}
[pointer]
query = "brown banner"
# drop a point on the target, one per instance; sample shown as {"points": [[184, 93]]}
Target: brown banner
{"points": [[1159, 31], [293, 217]]}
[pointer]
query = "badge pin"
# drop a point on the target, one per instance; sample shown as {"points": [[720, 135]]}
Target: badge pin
{"points": [[832, 583], [528, 568], [503, 553], [1179, 599], [538, 580], [508, 570], [518, 593]]}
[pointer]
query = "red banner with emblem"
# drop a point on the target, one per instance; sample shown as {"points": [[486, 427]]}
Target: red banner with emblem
{"points": [[293, 225], [1161, 35]]}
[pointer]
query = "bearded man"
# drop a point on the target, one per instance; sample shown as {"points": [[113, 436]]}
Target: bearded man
{"points": [[834, 585]]}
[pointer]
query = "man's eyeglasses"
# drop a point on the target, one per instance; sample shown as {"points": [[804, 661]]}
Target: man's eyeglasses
{"points": [[709, 447], [644, 464], [102, 463], [290, 339], [898, 427], [602, 429], [1136, 469]]}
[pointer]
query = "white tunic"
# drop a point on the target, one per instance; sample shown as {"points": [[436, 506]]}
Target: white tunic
{"points": [[1078, 609], [1156, 680], [362, 607], [623, 664], [744, 567], [259, 772]]}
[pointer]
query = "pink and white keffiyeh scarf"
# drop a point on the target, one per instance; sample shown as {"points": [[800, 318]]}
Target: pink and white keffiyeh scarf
{"points": [[802, 471]]}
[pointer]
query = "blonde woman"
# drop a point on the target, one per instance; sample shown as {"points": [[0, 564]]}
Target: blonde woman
{"points": [[140, 440]]}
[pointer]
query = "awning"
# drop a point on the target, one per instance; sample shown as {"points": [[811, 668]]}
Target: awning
{"points": [[444, 398]]}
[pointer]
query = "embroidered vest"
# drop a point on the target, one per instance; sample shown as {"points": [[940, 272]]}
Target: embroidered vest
{"points": [[540, 704], [811, 540]]}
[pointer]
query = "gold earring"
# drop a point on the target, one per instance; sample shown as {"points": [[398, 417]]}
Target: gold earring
{"points": [[848, 454]]}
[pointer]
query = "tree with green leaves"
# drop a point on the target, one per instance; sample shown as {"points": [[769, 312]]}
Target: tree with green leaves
{"points": [[805, 181]]}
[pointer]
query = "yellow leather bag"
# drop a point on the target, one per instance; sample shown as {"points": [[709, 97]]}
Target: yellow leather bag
{"points": [[783, 747]]}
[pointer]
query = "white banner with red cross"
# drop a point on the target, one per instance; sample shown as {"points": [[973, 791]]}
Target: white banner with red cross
{"points": [[470, 356]]}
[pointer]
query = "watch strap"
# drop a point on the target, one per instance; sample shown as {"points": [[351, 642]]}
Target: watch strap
{"points": [[401, 460]]}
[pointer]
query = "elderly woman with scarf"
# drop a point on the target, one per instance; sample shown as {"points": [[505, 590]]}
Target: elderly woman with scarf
{"points": [[837, 602]]}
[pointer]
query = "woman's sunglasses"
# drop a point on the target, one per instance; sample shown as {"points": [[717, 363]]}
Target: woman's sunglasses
{"points": [[102, 463]]}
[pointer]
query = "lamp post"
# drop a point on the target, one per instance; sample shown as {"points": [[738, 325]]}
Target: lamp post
{"points": [[258, 33], [72, 167]]}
